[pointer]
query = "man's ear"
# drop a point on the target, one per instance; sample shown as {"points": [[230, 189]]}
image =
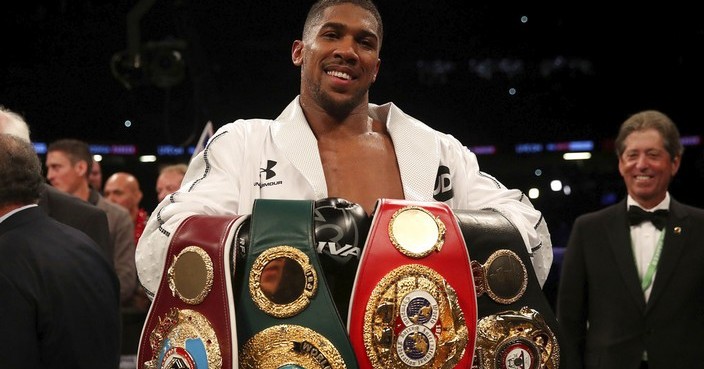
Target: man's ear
{"points": [[297, 53], [81, 168], [376, 70]]}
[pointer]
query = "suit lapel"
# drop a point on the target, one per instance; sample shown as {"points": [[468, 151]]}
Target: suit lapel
{"points": [[676, 232], [619, 238]]}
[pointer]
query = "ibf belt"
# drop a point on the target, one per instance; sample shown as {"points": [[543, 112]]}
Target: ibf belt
{"points": [[191, 322], [285, 314], [413, 303], [516, 339]]}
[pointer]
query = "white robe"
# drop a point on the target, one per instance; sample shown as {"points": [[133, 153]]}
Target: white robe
{"points": [[279, 159]]}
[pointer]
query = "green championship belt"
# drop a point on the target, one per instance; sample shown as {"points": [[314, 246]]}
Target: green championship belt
{"points": [[286, 317]]}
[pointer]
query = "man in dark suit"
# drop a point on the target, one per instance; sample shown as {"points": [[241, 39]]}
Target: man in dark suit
{"points": [[85, 217], [59, 297], [65, 208], [631, 292]]}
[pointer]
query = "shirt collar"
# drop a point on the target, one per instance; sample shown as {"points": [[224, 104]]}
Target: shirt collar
{"points": [[2, 218], [664, 204]]}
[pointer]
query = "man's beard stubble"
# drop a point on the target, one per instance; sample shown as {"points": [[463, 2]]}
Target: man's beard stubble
{"points": [[337, 109]]}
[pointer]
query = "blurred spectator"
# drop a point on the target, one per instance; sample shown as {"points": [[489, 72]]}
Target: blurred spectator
{"points": [[169, 180], [95, 178], [59, 299], [65, 208], [67, 163], [123, 189]]}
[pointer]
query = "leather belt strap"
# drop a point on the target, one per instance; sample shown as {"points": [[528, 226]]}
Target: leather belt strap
{"points": [[515, 318], [191, 320], [414, 302], [285, 313]]}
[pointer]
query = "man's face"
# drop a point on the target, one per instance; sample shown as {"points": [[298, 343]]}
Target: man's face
{"points": [[646, 167], [95, 177], [339, 59], [168, 183], [62, 174], [124, 191]]}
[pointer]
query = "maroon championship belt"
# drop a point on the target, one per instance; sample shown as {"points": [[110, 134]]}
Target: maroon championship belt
{"points": [[191, 322], [414, 303]]}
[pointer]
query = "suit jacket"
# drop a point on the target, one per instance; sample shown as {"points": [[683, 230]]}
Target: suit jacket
{"points": [[600, 286], [73, 211], [59, 297], [122, 240]]}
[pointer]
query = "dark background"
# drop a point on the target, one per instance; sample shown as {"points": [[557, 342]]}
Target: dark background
{"points": [[578, 71]]}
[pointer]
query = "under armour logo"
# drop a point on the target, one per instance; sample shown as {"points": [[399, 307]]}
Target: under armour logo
{"points": [[269, 165]]}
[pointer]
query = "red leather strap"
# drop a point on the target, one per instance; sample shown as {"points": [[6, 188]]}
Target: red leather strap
{"points": [[380, 257], [213, 235]]}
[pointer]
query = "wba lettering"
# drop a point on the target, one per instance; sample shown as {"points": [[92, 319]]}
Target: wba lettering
{"points": [[308, 348], [345, 250]]}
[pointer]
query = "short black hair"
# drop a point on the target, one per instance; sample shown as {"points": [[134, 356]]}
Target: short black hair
{"points": [[319, 7], [76, 150]]}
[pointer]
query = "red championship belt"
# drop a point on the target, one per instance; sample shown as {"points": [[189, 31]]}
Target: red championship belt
{"points": [[191, 322], [414, 303]]}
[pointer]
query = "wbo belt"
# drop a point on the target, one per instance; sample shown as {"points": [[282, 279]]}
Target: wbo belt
{"points": [[285, 313], [191, 322], [413, 304]]}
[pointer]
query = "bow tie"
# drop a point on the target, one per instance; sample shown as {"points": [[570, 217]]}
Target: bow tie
{"points": [[637, 215]]}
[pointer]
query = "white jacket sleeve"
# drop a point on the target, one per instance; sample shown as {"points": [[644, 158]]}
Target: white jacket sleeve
{"points": [[483, 191], [210, 187]]}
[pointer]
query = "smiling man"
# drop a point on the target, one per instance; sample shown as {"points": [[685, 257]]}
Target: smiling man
{"points": [[330, 141], [632, 279]]}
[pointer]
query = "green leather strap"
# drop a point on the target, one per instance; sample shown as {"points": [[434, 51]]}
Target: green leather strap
{"points": [[287, 223]]}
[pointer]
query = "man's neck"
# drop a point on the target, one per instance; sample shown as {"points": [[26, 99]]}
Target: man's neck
{"points": [[82, 192], [324, 125], [4, 209], [328, 123]]}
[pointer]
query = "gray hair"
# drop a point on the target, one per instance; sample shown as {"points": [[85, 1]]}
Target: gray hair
{"points": [[12, 123], [21, 180], [651, 119]]}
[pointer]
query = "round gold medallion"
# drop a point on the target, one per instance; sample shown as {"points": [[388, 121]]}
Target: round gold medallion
{"points": [[290, 346], [191, 275], [282, 281], [413, 319], [516, 339], [505, 277], [415, 232]]}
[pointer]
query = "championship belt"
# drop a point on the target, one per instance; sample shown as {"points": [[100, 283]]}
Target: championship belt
{"points": [[191, 322], [517, 327], [413, 303], [286, 317]]}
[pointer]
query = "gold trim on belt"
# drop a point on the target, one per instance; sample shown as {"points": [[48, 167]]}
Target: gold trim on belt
{"points": [[516, 339], [290, 346], [503, 277], [413, 319], [191, 275], [282, 281]]}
